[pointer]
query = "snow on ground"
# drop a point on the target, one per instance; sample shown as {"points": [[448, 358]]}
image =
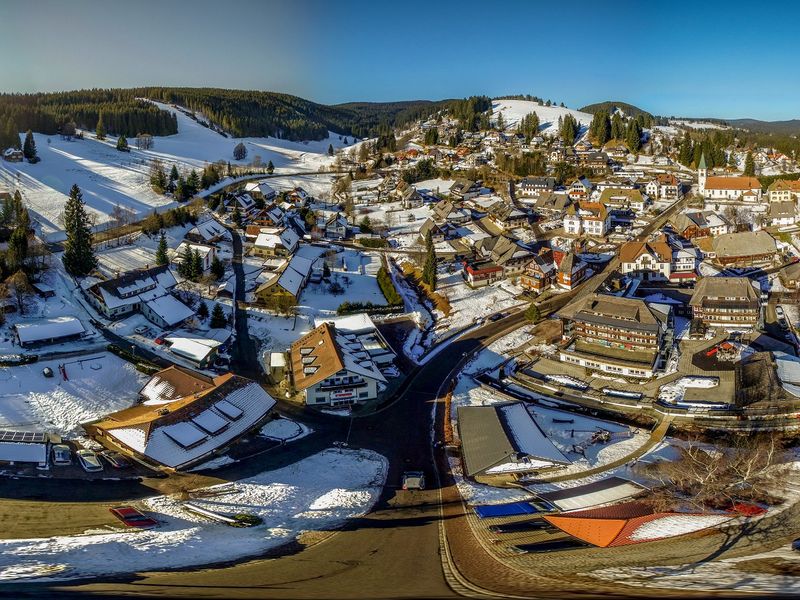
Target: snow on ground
{"points": [[276, 333], [514, 111], [468, 304], [356, 272], [285, 429], [319, 492], [434, 186], [97, 385], [697, 124], [109, 178], [730, 574]]}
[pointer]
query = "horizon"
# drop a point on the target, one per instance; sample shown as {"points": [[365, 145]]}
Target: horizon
{"points": [[333, 55]]}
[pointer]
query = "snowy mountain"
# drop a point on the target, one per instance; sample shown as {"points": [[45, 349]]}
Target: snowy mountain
{"points": [[513, 112]]}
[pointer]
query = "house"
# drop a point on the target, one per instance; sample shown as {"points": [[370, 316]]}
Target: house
{"points": [[505, 440], [589, 218], [726, 302], [782, 190], [272, 241], [571, 271], [207, 232], [580, 189], [747, 189], [288, 281], [552, 204], [594, 160], [145, 291], [616, 150], [13, 155], [464, 189], [333, 368], [531, 186], [482, 272], [511, 255], [782, 213], [647, 260], [684, 263], [539, 273], [744, 249], [790, 276], [201, 349], [245, 203], [664, 186], [49, 331], [336, 227], [623, 336], [184, 418], [366, 332], [429, 226], [206, 252], [696, 224], [624, 199], [260, 190], [508, 217]]}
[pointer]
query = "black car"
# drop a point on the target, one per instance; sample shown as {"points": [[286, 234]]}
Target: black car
{"points": [[115, 459], [549, 546], [496, 316]]}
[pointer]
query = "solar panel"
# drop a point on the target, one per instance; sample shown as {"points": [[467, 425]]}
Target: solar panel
{"points": [[34, 437]]}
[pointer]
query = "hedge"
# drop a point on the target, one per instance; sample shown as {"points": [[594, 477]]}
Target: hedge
{"points": [[387, 287], [373, 242]]}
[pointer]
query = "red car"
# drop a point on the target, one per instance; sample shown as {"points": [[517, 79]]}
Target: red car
{"points": [[159, 341], [133, 517]]}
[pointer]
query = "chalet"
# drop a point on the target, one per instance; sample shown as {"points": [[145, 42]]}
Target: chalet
{"points": [[589, 218], [366, 332], [336, 227], [333, 368], [437, 232], [245, 203], [726, 302], [145, 291], [616, 150], [207, 232], [272, 241], [782, 213], [287, 283], [698, 224], [508, 217], [482, 272], [624, 199], [665, 186], [464, 189], [744, 249], [647, 260], [580, 189], [445, 211], [205, 251], [510, 255], [747, 189], [531, 186], [184, 418], [790, 276], [593, 160], [539, 273], [624, 336], [552, 204], [260, 190], [571, 270]]}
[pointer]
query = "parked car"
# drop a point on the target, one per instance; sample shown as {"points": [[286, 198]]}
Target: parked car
{"points": [[159, 341], [47, 372], [62, 455], [89, 460], [115, 459], [523, 526], [141, 330], [780, 312], [133, 517], [549, 546], [496, 316], [413, 480]]}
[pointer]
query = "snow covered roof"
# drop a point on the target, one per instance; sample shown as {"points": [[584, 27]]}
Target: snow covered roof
{"points": [[126, 289], [196, 348], [596, 493], [272, 238], [48, 329], [187, 430], [171, 310], [209, 230]]}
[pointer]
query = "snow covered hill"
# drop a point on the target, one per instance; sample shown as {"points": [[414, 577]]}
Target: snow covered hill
{"points": [[108, 177], [514, 110]]}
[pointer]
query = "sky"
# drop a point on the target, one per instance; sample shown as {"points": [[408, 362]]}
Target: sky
{"points": [[697, 59]]}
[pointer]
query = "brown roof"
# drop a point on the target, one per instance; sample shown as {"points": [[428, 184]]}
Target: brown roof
{"points": [[667, 179], [732, 183], [630, 251], [315, 357]]}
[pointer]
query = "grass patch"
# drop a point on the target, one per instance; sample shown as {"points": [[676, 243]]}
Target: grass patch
{"points": [[414, 275]]}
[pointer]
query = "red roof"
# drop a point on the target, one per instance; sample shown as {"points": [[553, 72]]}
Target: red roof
{"points": [[683, 275]]}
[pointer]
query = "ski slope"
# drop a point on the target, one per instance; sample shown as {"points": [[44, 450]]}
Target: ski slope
{"points": [[108, 178], [513, 112]]}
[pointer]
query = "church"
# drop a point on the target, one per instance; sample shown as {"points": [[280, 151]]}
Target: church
{"points": [[746, 189]]}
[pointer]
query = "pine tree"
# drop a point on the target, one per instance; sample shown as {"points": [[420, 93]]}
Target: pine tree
{"points": [[79, 258], [270, 167], [29, 147], [202, 310], [218, 320], [532, 313], [158, 179], [100, 130], [749, 165], [185, 263], [617, 127], [330, 149], [217, 267], [633, 136], [161, 254], [17, 249], [180, 189], [197, 265], [429, 270], [192, 184], [122, 144]]}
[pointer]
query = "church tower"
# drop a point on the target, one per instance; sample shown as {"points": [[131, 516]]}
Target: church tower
{"points": [[702, 173]]}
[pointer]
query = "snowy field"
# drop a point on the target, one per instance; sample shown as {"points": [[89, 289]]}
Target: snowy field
{"points": [[109, 178], [319, 492], [96, 385], [514, 111], [468, 304]]}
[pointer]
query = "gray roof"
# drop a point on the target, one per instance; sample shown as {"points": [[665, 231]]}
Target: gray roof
{"points": [[738, 288], [487, 439], [744, 243], [615, 311]]}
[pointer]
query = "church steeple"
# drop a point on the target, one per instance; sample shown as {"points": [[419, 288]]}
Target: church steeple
{"points": [[702, 173], [702, 166]]}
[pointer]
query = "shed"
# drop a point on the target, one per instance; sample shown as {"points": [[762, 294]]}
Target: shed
{"points": [[48, 331]]}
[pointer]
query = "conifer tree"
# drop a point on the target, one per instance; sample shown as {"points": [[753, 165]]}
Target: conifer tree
{"points": [[100, 130], [79, 258], [218, 320], [270, 167], [197, 265], [161, 254], [29, 147], [217, 267], [122, 144], [330, 149], [202, 310], [429, 270], [749, 165]]}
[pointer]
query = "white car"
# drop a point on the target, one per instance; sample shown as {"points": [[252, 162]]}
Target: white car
{"points": [[141, 330], [62, 455], [89, 461], [780, 312]]}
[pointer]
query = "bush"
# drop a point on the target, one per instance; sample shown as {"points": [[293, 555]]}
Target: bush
{"points": [[14, 360], [373, 242], [348, 308], [387, 287], [532, 313]]}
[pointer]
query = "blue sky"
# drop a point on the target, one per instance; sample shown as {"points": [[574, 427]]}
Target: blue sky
{"points": [[716, 59]]}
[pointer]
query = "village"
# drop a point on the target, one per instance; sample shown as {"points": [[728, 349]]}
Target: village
{"points": [[626, 304]]}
